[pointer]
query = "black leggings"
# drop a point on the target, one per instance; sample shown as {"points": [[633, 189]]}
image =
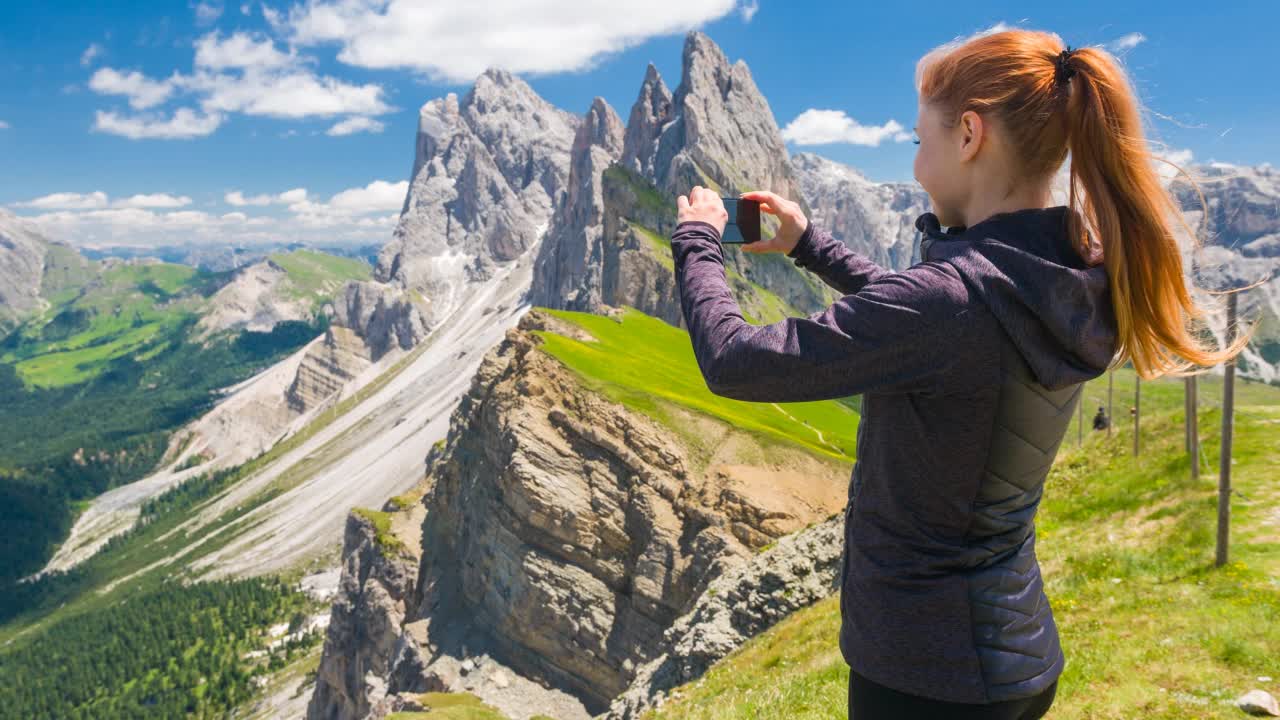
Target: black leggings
{"points": [[869, 700]]}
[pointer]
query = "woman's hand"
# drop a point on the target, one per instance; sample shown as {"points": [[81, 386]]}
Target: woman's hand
{"points": [[793, 220], [702, 204]]}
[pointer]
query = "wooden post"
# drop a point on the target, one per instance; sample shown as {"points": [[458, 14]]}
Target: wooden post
{"points": [[1193, 427], [1111, 414], [1224, 466], [1080, 417], [1186, 414], [1137, 409]]}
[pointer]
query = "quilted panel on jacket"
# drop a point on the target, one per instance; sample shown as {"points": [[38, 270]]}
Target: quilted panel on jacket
{"points": [[1014, 632]]}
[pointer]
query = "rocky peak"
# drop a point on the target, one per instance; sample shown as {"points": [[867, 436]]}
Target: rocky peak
{"points": [[724, 133], [651, 111], [567, 271], [488, 170]]}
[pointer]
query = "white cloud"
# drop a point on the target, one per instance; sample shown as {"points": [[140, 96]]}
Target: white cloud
{"points": [[184, 124], [288, 197], [1126, 42], [67, 201], [142, 91], [239, 50], [155, 200], [208, 13], [355, 125], [1182, 158], [4, 125], [240, 73], [360, 214], [99, 200], [749, 9], [290, 94], [456, 42], [91, 52], [377, 196], [820, 127]]}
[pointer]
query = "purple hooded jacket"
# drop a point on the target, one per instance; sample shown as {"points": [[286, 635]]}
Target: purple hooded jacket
{"points": [[970, 365]]}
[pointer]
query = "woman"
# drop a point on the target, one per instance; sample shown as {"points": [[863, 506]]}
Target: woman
{"points": [[970, 363]]}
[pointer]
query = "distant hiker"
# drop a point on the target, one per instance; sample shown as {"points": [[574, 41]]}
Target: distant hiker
{"points": [[1101, 421], [963, 360]]}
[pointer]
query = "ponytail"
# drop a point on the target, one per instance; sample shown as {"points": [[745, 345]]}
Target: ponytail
{"points": [[1023, 77]]}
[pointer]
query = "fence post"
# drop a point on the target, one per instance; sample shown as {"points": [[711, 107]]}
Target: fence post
{"points": [[1080, 417], [1111, 414], [1193, 427], [1137, 408], [1224, 461]]}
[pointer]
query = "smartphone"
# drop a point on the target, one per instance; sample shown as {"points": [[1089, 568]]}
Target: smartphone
{"points": [[744, 221]]}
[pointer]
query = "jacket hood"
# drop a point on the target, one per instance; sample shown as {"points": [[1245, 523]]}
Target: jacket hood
{"points": [[1054, 306]]}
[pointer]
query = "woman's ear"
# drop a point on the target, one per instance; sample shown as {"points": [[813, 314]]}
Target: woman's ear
{"points": [[972, 133]]}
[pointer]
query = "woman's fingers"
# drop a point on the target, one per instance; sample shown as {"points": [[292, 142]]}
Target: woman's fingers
{"points": [[682, 202], [772, 198]]}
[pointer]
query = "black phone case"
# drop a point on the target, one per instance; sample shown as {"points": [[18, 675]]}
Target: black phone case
{"points": [[743, 225]]}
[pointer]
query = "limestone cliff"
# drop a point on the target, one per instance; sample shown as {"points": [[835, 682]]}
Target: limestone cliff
{"points": [[567, 270], [564, 533]]}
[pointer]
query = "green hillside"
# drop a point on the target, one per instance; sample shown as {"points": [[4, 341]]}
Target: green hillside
{"points": [[1149, 626], [129, 310], [644, 363], [93, 385]]}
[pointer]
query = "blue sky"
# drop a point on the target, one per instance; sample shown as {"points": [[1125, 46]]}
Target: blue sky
{"points": [[308, 110]]}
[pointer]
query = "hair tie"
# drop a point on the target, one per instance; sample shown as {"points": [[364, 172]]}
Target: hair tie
{"points": [[1063, 72]]}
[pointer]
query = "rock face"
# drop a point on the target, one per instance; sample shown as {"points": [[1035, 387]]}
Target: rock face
{"points": [[564, 534], [383, 315], [32, 265], [327, 367], [1240, 236], [567, 271], [487, 173], [255, 299], [364, 625], [875, 219], [802, 569], [719, 133]]}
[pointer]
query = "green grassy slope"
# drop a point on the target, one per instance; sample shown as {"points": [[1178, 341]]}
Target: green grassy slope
{"points": [[1149, 626], [644, 363]]}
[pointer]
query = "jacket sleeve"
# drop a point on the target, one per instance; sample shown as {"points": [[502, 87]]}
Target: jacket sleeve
{"points": [[833, 261], [899, 332]]}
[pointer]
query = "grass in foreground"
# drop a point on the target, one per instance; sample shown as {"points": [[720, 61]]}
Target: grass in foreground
{"points": [[1150, 627]]}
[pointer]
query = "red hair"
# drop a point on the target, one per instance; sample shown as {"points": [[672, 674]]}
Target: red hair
{"points": [[1115, 193]]}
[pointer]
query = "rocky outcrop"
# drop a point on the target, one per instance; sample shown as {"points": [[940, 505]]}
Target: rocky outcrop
{"points": [[874, 219], [800, 570], [568, 267], [256, 298], [364, 636], [487, 174], [384, 316], [326, 368], [564, 533]]}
